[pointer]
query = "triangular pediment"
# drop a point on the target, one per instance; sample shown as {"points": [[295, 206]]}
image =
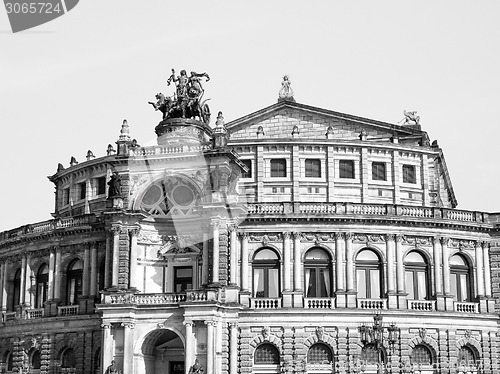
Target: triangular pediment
{"points": [[294, 120]]}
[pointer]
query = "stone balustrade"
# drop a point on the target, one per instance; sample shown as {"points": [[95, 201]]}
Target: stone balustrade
{"points": [[265, 303], [359, 209], [68, 310], [422, 305], [465, 307], [319, 303], [372, 304], [34, 313]]}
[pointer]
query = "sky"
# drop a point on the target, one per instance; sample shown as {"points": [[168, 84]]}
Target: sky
{"points": [[67, 85]]}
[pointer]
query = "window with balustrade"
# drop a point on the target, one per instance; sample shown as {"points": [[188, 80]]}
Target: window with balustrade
{"points": [[318, 273], [74, 280], [15, 300], [266, 359], [416, 276], [266, 273], [460, 278], [369, 275], [183, 278], [42, 285]]}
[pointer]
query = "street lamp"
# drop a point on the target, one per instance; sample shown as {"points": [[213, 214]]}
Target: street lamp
{"points": [[374, 334]]}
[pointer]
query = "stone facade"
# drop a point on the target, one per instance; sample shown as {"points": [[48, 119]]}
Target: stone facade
{"points": [[266, 245]]}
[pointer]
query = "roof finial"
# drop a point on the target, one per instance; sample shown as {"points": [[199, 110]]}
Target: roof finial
{"points": [[286, 92]]}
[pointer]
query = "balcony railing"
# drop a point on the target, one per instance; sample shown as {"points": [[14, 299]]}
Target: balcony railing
{"points": [[465, 307], [360, 209], [8, 316], [47, 226], [69, 310], [34, 313], [162, 298], [319, 303], [421, 305], [372, 304], [265, 303]]}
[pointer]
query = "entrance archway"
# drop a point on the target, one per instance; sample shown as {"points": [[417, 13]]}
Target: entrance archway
{"points": [[162, 352]]}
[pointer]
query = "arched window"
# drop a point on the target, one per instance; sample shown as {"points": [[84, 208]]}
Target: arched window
{"points": [[368, 275], [35, 360], [318, 273], [68, 361], [417, 276], [74, 282], [42, 285], [467, 360], [460, 278], [421, 355], [319, 353], [266, 354], [9, 360], [16, 297], [266, 273]]}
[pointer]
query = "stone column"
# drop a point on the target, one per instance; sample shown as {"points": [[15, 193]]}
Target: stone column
{"points": [[446, 266], [51, 277], [400, 273], [350, 269], [107, 348], [128, 347], [107, 261], [116, 255], [5, 284], [286, 261], [215, 258], [233, 255], [438, 279], [134, 232], [190, 346], [487, 270], [341, 300], [233, 348], [57, 274], [93, 270], [86, 272], [244, 261], [205, 262], [22, 287], [27, 283], [391, 281], [297, 262], [479, 270], [210, 347]]}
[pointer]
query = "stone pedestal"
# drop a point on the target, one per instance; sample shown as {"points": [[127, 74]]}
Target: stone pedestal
{"points": [[287, 299], [392, 300]]}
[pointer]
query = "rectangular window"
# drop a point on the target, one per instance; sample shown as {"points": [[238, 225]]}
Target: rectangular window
{"points": [[346, 169], [378, 171], [361, 283], [82, 190], [183, 278], [313, 168], [278, 168], [101, 186], [248, 164], [409, 174], [66, 196]]}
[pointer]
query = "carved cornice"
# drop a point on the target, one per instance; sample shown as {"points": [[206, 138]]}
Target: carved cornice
{"points": [[265, 238], [368, 238], [416, 241]]}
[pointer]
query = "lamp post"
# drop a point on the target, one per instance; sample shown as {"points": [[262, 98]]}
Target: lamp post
{"points": [[374, 334]]}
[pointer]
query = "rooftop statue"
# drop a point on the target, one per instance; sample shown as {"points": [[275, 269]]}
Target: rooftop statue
{"points": [[187, 100], [286, 92], [411, 118]]}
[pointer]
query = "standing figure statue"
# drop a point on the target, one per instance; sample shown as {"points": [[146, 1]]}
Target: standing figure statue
{"points": [[410, 117], [195, 87], [286, 91], [196, 368], [115, 186], [182, 82], [112, 369]]}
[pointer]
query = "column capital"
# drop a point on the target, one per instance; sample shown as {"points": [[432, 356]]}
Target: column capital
{"points": [[244, 235], [106, 325], [286, 235], [444, 241], [216, 225], [188, 323], [232, 228], [134, 230], [339, 235], [232, 325], [389, 238], [115, 229], [128, 325], [210, 323], [349, 235], [297, 235], [160, 325], [398, 238], [436, 239]]}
